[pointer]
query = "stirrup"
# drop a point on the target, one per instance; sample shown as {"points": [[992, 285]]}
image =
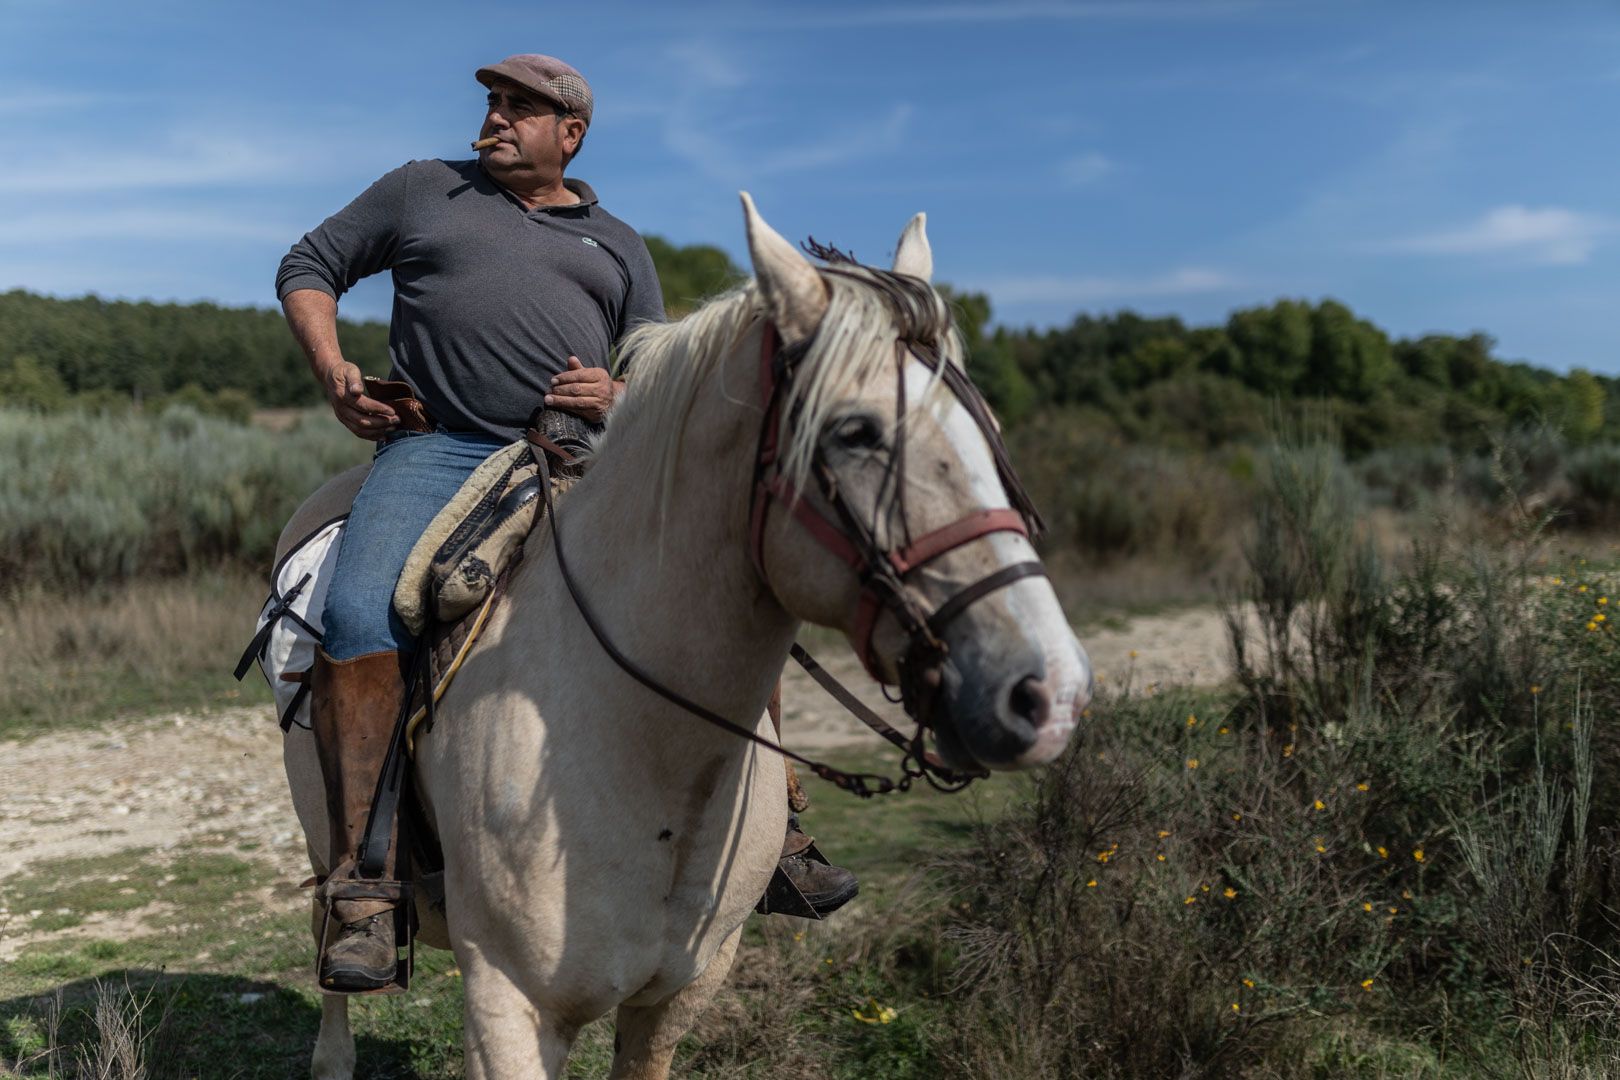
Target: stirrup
{"points": [[782, 897], [398, 893]]}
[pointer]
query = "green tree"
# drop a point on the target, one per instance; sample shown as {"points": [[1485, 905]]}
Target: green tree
{"points": [[1350, 358], [1273, 345], [1584, 400], [25, 383], [690, 274]]}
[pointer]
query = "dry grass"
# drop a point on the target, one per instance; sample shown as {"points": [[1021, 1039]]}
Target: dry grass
{"points": [[146, 646]]}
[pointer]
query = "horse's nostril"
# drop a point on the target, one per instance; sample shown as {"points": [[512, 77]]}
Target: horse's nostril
{"points": [[1030, 701]]}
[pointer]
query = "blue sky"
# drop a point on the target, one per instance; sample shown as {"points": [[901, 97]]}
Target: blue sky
{"points": [[1443, 166]]}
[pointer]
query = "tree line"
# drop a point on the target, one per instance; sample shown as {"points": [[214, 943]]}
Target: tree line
{"points": [[1150, 379]]}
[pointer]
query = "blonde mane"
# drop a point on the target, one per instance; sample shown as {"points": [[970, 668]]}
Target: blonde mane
{"points": [[868, 310]]}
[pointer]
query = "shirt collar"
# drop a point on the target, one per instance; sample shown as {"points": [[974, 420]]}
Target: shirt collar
{"points": [[587, 194]]}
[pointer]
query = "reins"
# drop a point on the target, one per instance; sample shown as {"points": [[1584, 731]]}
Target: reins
{"points": [[883, 571]]}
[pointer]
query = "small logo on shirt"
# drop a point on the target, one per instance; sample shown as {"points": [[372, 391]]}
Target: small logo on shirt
{"points": [[588, 240]]}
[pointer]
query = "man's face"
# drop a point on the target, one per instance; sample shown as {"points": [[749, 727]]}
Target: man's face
{"points": [[536, 139]]}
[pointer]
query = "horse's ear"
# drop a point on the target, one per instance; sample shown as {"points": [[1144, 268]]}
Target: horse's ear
{"points": [[795, 295], [912, 255]]}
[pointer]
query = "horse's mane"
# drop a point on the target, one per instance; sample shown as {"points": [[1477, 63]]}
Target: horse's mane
{"points": [[868, 309]]}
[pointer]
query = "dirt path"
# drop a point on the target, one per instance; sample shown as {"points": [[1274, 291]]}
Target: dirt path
{"points": [[214, 781]]}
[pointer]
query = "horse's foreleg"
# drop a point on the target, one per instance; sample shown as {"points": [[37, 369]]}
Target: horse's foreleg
{"points": [[645, 1036], [334, 1047], [506, 1036]]}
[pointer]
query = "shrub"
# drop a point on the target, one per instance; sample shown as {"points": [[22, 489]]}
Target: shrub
{"points": [[88, 499]]}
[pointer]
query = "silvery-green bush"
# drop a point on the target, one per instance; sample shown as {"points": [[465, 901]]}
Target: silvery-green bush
{"points": [[86, 499]]}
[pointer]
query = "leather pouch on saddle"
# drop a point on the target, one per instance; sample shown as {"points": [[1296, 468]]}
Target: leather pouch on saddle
{"points": [[397, 395], [480, 531]]}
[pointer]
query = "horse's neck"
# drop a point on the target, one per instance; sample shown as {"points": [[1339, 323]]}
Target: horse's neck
{"points": [[669, 579]]}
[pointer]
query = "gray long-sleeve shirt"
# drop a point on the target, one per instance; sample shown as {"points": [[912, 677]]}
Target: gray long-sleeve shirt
{"points": [[490, 298]]}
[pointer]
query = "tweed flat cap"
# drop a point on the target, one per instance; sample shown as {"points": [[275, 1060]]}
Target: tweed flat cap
{"points": [[547, 76]]}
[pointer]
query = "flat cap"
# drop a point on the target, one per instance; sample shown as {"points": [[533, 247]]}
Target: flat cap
{"points": [[547, 76]]}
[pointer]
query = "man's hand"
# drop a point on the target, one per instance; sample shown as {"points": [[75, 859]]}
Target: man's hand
{"points": [[583, 391], [346, 390]]}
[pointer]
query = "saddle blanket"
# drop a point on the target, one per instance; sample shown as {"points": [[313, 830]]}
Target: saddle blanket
{"points": [[447, 588]]}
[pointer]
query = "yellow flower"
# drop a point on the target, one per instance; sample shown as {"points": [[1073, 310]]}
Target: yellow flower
{"points": [[1163, 833], [1230, 893], [1603, 601], [1394, 911], [1249, 983], [1224, 731], [1418, 854], [1237, 817], [1580, 588], [1367, 906], [1192, 763], [1591, 626], [878, 1014], [1363, 786], [1204, 888], [1320, 849], [1288, 751], [1092, 884], [1557, 581], [1383, 852], [1192, 721], [1535, 688], [1600, 617], [1235, 1007], [1190, 900], [1159, 857], [1320, 805], [1366, 984]]}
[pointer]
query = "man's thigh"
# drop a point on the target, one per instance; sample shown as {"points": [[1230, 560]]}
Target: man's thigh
{"points": [[411, 479]]}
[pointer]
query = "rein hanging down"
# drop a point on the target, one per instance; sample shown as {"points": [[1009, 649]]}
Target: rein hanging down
{"points": [[924, 322]]}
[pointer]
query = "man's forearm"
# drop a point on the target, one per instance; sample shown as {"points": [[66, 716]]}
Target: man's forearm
{"points": [[312, 317]]}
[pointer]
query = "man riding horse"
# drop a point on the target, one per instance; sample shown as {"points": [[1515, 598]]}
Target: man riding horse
{"points": [[505, 274]]}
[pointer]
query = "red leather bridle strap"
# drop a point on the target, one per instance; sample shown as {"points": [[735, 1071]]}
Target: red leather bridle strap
{"points": [[947, 539], [882, 572]]}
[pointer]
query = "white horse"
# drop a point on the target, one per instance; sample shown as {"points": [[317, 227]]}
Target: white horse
{"points": [[604, 847]]}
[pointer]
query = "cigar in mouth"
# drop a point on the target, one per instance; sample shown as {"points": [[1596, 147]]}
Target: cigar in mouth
{"points": [[485, 144]]}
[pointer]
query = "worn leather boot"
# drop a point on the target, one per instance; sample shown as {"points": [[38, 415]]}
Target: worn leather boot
{"points": [[825, 887], [353, 707]]}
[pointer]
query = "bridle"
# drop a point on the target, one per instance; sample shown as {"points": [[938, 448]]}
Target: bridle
{"points": [[883, 571]]}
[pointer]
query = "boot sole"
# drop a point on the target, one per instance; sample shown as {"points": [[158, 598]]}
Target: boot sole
{"points": [[345, 980], [827, 903]]}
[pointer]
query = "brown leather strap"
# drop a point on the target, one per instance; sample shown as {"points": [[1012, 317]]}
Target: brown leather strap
{"points": [[964, 531]]}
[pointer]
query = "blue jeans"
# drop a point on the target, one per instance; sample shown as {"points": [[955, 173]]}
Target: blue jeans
{"points": [[412, 477]]}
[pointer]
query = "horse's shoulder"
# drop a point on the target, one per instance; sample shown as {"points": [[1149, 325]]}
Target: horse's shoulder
{"points": [[331, 500]]}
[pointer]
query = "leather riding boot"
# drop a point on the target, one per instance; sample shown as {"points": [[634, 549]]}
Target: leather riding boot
{"points": [[353, 707], [825, 887]]}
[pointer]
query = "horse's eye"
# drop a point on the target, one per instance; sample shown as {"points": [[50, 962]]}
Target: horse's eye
{"points": [[857, 433]]}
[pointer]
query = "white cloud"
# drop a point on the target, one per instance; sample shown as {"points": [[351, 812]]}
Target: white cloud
{"points": [[949, 14], [702, 144], [1084, 169], [53, 166], [1090, 289], [164, 226], [1548, 236]]}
